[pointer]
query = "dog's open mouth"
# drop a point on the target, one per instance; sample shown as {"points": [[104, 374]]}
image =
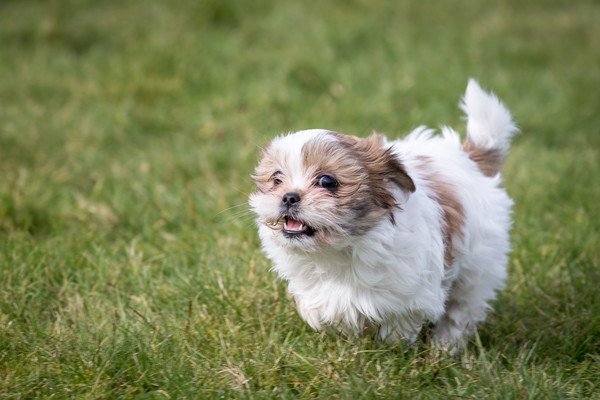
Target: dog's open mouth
{"points": [[295, 228]]}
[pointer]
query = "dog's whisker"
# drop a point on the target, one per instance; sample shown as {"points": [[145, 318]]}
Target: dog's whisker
{"points": [[231, 208], [232, 218], [240, 191]]}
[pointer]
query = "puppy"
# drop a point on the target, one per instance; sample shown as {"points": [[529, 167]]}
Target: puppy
{"points": [[381, 237]]}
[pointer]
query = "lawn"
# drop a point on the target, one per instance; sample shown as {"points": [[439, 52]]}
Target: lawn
{"points": [[129, 263]]}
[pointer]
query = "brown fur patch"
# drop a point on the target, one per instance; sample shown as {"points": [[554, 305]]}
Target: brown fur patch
{"points": [[264, 175], [363, 168], [489, 161], [452, 209], [379, 161]]}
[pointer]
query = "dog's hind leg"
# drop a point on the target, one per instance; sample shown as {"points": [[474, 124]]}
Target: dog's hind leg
{"points": [[469, 297]]}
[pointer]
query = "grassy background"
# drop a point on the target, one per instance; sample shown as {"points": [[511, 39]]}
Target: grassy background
{"points": [[128, 131]]}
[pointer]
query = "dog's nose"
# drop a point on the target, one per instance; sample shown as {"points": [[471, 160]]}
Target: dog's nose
{"points": [[289, 199]]}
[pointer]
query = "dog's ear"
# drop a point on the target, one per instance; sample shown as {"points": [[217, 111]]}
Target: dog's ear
{"points": [[382, 165], [381, 162], [397, 173]]}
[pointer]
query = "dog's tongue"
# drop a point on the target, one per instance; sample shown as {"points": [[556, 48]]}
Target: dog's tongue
{"points": [[293, 225]]}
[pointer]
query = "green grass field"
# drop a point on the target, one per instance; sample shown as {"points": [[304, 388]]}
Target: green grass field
{"points": [[129, 265]]}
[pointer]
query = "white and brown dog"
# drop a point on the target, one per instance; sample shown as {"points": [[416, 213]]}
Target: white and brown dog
{"points": [[383, 236]]}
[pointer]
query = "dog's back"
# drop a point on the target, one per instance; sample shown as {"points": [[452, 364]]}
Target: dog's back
{"points": [[464, 180]]}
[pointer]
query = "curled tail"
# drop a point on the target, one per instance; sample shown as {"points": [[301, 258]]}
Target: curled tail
{"points": [[489, 128]]}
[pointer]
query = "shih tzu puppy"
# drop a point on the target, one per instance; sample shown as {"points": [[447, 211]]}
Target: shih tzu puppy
{"points": [[381, 237]]}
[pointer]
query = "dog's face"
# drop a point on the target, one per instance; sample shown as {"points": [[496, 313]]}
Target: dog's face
{"points": [[317, 187]]}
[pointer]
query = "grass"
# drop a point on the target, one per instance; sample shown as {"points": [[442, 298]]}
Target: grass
{"points": [[128, 132]]}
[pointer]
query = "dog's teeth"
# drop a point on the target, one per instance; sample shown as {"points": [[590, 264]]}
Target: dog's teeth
{"points": [[293, 225]]}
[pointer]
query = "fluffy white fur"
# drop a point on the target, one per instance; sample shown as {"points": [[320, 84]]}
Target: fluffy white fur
{"points": [[392, 279]]}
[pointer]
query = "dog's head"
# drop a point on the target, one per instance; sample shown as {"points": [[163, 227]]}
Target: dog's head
{"points": [[317, 187]]}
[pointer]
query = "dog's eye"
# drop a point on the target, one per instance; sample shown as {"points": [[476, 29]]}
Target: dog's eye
{"points": [[276, 179], [327, 182]]}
